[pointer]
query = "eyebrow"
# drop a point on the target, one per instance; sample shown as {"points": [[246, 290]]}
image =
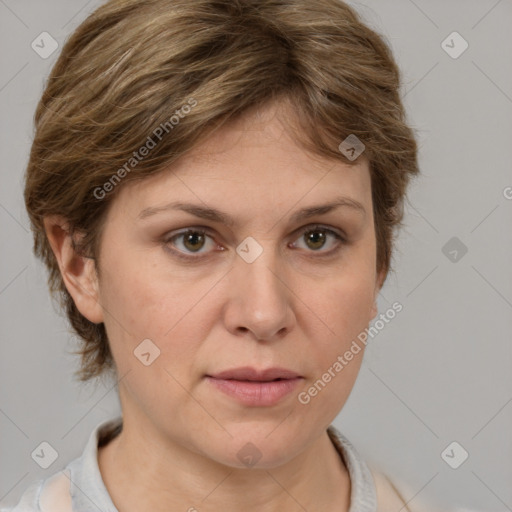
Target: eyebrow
{"points": [[218, 216]]}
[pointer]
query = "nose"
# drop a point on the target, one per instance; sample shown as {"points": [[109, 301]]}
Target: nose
{"points": [[260, 300]]}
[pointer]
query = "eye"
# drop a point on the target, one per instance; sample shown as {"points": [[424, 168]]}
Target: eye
{"points": [[191, 241], [317, 238], [194, 243]]}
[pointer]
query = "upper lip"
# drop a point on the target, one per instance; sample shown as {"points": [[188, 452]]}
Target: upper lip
{"points": [[249, 373]]}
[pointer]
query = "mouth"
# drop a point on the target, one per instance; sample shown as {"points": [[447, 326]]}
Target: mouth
{"points": [[250, 374], [256, 388]]}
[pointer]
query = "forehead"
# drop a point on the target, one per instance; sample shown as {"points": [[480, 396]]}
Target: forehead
{"points": [[253, 163]]}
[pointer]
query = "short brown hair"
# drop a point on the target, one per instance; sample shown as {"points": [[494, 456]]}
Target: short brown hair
{"points": [[134, 64]]}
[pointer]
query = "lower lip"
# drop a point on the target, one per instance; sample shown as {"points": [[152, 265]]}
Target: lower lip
{"points": [[262, 394]]}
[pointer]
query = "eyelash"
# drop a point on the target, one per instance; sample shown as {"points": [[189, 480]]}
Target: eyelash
{"points": [[204, 232]]}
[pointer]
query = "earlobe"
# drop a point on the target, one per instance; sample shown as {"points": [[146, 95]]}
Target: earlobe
{"points": [[78, 272], [374, 310], [378, 285]]}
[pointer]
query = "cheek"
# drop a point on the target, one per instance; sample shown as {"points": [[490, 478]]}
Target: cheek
{"points": [[344, 306], [349, 308], [342, 309], [137, 294], [143, 302], [336, 352], [350, 298]]}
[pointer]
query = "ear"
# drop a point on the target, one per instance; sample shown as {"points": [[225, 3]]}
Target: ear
{"points": [[78, 272], [379, 281]]}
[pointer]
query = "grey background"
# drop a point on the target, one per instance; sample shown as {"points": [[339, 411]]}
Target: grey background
{"points": [[439, 372]]}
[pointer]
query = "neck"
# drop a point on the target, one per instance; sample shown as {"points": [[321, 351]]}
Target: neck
{"points": [[140, 475]]}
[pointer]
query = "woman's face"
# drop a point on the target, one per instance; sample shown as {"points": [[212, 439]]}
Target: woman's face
{"points": [[255, 290]]}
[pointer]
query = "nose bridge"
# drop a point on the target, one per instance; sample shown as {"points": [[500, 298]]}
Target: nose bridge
{"points": [[262, 278], [261, 293]]}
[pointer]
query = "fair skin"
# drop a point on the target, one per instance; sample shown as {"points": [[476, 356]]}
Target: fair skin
{"points": [[299, 305]]}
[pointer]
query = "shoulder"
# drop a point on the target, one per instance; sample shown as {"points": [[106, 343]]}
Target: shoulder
{"points": [[45, 494], [393, 495], [389, 497], [54, 493], [373, 490], [29, 499]]}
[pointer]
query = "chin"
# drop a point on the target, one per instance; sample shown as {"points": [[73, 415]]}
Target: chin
{"points": [[256, 448]]}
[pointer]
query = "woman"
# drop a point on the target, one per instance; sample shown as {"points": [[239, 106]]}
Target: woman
{"points": [[214, 187]]}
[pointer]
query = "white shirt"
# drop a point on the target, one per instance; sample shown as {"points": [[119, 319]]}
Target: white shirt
{"points": [[79, 487]]}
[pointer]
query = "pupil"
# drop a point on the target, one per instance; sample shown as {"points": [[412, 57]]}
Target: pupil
{"points": [[191, 240], [317, 238]]}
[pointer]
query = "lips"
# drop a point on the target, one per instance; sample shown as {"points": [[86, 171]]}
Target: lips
{"points": [[255, 388], [247, 373]]}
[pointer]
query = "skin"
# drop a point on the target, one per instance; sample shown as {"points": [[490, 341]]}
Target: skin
{"points": [[291, 307]]}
